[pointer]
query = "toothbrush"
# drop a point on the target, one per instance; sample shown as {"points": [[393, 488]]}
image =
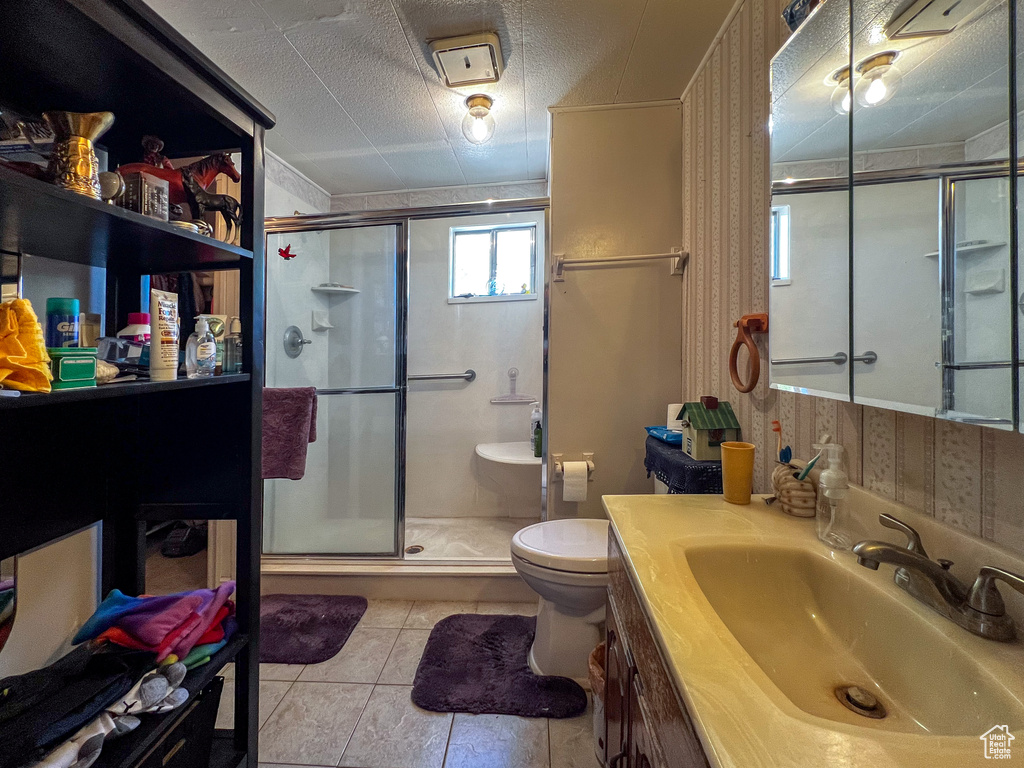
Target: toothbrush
{"points": [[785, 454], [810, 465]]}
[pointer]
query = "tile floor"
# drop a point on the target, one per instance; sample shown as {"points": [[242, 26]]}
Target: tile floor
{"points": [[355, 711], [463, 538]]}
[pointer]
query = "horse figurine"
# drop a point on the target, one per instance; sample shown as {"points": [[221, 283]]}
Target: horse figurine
{"points": [[200, 201], [203, 171]]}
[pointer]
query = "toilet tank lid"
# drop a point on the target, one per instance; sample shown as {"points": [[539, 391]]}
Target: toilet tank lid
{"points": [[576, 545]]}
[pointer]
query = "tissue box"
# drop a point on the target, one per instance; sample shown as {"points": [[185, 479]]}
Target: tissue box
{"points": [[73, 367]]}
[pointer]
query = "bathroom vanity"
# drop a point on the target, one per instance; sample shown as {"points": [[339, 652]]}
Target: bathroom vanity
{"points": [[734, 637]]}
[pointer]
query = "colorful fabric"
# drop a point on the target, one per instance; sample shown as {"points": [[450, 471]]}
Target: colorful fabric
{"points": [[197, 655], [151, 621], [190, 639], [216, 632], [24, 362]]}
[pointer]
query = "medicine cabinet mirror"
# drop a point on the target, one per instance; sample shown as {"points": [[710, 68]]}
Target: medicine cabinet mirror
{"points": [[901, 233], [7, 599]]}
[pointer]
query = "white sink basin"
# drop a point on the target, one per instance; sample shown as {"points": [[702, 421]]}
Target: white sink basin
{"points": [[759, 624], [813, 626]]}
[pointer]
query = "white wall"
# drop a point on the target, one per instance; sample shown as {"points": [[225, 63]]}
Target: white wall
{"points": [[614, 333], [446, 419], [897, 310], [816, 298], [57, 590]]}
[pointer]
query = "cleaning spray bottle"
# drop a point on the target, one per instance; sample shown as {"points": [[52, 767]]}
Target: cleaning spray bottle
{"points": [[833, 515]]}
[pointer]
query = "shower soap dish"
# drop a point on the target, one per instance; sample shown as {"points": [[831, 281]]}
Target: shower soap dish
{"points": [[512, 398], [798, 497]]}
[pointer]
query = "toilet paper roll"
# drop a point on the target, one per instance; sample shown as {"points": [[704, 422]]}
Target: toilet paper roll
{"points": [[574, 481], [670, 420]]}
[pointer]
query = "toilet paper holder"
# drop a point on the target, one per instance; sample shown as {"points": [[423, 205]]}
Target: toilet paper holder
{"points": [[587, 457]]}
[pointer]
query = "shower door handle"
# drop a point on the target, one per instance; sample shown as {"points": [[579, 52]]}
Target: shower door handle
{"points": [[469, 375]]}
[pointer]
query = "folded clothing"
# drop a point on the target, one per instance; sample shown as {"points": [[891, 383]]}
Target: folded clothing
{"points": [[148, 619], [43, 707], [24, 362]]}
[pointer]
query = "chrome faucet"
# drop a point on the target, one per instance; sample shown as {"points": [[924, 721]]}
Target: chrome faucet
{"points": [[978, 609]]}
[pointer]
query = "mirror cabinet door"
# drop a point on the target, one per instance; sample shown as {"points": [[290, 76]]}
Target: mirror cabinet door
{"points": [[932, 210], [810, 224]]}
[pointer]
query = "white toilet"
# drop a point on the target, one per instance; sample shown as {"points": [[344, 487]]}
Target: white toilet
{"points": [[566, 563]]}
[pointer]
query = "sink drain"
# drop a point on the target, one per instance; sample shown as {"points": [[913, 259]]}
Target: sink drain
{"points": [[415, 549], [858, 700]]}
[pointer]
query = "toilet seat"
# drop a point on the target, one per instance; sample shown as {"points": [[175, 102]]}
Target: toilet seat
{"points": [[576, 545]]}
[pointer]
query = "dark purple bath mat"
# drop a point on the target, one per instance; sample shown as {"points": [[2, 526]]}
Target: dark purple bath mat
{"points": [[306, 629], [478, 664]]}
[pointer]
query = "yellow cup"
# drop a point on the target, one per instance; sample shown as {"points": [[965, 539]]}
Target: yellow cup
{"points": [[737, 471]]}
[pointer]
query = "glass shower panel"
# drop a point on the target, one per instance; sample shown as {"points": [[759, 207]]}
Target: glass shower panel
{"points": [[341, 289]]}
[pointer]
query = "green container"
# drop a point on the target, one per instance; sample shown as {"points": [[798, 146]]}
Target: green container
{"points": [[73, 367]]}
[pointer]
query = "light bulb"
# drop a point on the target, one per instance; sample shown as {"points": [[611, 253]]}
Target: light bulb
{"points": [[841, 99], [879, 80], [478, 124]]}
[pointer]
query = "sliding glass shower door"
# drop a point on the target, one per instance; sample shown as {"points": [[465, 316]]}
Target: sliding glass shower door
{"points": [[345, 291]]}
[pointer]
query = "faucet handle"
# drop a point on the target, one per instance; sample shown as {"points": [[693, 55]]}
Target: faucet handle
{"points": [[913, 537], [985, 597]]}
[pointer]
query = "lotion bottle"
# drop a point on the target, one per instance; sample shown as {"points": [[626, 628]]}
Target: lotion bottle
{"points": [[536, 430]]}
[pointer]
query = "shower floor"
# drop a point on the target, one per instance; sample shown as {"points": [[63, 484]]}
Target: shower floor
{"points": [[463, 538]]}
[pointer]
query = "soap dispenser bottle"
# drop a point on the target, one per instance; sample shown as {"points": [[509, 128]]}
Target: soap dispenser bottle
{"points": [[233, 348], [201, 351], [536, 430], [833, 514]]}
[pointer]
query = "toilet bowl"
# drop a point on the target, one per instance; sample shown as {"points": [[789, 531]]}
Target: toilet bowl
{"points": [[566, 563]]}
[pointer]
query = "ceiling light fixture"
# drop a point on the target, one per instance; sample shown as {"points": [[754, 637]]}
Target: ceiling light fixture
{"points": [[478, 124], [879, 79], [842, 99]]}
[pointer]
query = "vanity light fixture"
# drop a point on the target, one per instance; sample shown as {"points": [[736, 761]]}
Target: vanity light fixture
{"points": [[478, 124], [842, 98], [878, 79]]}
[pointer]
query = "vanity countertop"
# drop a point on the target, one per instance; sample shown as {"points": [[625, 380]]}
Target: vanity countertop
{"points": [[743, 719]]}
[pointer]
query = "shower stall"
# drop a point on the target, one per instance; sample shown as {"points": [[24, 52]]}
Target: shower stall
{"points": [[408, 322]]}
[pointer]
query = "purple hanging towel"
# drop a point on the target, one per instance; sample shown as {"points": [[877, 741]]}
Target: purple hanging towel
{"points": [[289, 425]]}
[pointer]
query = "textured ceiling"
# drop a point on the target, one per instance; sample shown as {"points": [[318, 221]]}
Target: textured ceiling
{"points": [[360, 107], [954, 86]]}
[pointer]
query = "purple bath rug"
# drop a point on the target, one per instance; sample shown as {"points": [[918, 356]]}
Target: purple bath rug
{"points": [[478, 664], [306, 629]]}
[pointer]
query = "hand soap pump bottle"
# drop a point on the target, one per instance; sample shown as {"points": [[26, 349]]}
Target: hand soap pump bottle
{"points": [[201, 351], [833, 514], [536, 430]]}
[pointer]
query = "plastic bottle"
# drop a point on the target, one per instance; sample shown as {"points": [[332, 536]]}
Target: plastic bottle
{"points": [[138, 328], [62, 322], [833, 515], [201, 351], [233, 347], [536, 429]]}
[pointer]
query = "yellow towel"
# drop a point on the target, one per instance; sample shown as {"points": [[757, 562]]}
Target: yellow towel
{"points": [[24, 364]]}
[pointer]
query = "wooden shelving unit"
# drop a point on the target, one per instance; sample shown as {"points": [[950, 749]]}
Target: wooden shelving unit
{"points": [[125, 455]]}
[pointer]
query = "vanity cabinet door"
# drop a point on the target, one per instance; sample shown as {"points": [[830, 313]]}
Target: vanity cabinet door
{"points": [[642, 752], [616, 703]]}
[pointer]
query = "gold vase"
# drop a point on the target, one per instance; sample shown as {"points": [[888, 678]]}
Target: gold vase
{"points": [[73, 164]]}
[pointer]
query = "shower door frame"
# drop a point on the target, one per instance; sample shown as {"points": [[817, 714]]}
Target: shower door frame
{"points": [[403, 218]]}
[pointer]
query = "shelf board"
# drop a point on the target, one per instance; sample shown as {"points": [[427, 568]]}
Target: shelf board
{"points": [[332, 289], [127, 750], [44, 220], [966, 250], [128, 389]]}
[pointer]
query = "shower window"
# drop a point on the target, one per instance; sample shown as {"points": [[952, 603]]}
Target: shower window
{"points": [[493, 264]]}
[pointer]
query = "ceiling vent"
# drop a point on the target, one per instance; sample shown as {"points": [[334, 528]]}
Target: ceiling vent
{"points": [[930, 18], [468, 60]]}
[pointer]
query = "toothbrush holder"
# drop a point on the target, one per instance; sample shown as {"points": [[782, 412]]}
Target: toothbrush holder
{"points": [[798, 497]]}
